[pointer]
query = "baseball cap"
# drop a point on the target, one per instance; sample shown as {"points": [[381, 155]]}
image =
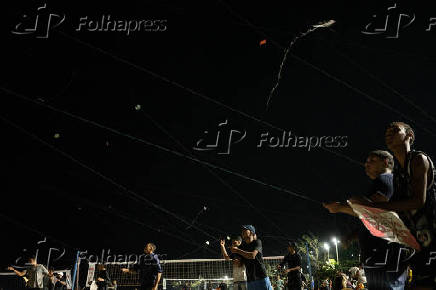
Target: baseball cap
{"points": [[250, 228]]}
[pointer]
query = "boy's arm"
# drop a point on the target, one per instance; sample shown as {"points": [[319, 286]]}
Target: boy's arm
{"points": [[244, 254], [223, 250], [18, 273]]}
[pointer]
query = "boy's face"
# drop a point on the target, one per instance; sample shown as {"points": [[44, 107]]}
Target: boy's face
{"points": [[395, 135], [374, 166], [236, 243]]}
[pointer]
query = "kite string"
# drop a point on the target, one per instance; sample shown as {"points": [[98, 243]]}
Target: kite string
{"points": [[221, 180], [160, 147], [327, 74], [116, 212], [386, 85], [282, 64], [198, 94], [134, 195]]}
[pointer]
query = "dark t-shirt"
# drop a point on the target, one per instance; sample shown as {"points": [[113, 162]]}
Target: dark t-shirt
{"points": [[292, 261], [104, 275], [294, 277], [148, 268], [255, 268], [377, 253]]}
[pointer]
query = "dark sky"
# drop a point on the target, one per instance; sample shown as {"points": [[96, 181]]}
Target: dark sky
{"points": [[93, 188]]}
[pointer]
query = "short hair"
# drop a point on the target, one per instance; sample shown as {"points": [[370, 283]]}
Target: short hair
{"points": [[153, 246], [31, 257], [293, 244], [385, 156], [408, 129], [237, 238]]}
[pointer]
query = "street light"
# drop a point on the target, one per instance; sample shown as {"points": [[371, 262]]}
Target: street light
{"points": [[327, 248], [336, 242]]}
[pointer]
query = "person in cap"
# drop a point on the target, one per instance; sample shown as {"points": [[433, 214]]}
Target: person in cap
{"points": [[252, 257]]}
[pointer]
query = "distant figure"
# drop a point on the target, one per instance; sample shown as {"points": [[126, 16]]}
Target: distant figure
{"points": [[280, 284], [293, 262], [239, 272], [251, 252], [61, 281], [34, 273], [150, 270], [102, 277]]}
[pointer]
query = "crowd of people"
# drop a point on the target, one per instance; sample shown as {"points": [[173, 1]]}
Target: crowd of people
{"points": [[402, 182]]}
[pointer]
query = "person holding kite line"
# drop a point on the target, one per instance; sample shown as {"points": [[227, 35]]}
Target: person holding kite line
{"points": [[391, 274], [414, 200]]}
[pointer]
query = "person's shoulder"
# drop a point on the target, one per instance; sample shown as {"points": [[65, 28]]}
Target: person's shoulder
{"points": [[385, 178], [419, 160]]}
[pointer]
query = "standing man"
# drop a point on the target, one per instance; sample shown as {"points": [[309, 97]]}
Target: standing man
{"points": [[149, 268], [251, 253], [239, 274], [378, 167], [34, 273], [102, 277], [293, 262], [414, 200]]}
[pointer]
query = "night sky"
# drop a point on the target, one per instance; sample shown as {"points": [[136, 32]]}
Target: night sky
{"points": [[98, 128]]}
